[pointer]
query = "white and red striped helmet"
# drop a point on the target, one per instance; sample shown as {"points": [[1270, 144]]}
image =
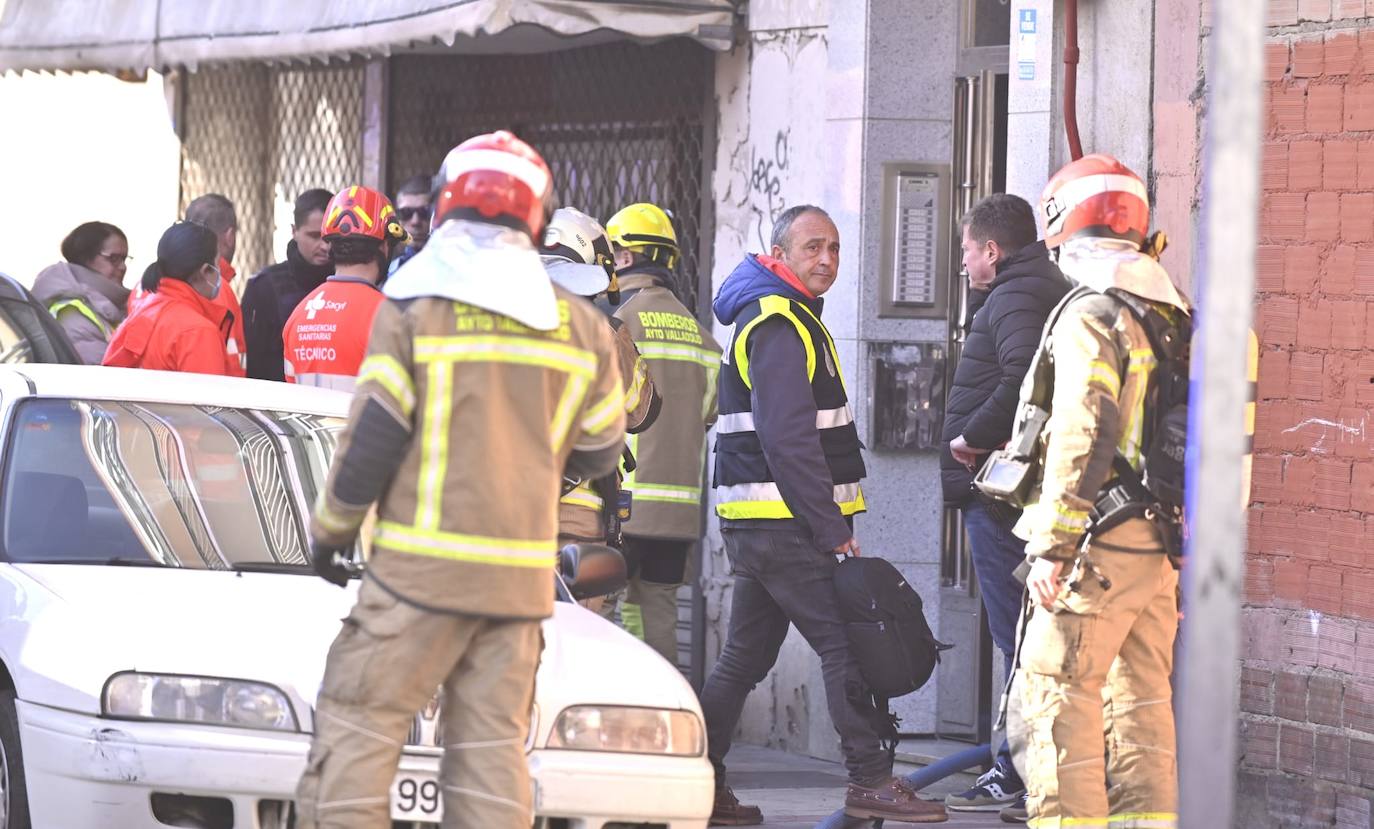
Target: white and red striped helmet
{"points": [[495, 178], [1095, 196]]}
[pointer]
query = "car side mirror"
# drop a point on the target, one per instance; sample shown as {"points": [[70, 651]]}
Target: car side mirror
{"points": [[592, 570]]}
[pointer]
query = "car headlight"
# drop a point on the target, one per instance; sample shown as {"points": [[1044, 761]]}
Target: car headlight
{"points": [[199, 699], [630, 730]]}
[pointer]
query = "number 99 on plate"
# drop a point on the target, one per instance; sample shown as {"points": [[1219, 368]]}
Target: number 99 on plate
{"points": [[417, 796]]}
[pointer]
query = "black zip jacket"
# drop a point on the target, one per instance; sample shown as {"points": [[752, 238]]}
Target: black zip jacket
{"points": [[268, 301], [1002, 339]]}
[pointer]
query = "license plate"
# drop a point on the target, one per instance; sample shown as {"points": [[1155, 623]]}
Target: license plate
{"points": [[416, 796]]}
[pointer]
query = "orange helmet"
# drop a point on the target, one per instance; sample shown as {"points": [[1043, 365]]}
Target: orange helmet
{"points": [[1095, 196], [362, 211], [495, 178]]}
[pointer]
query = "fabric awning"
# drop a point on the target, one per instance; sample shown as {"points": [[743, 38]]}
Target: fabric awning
{"points": [[69, 35]]}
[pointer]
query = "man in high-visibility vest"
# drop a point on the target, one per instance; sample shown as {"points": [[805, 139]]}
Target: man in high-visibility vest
{"points": [[484, 384], [665, 484], [787, 474], [325, 338]]}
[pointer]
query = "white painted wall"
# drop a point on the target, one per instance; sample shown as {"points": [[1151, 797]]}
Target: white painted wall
{"points": [[77, 148]]}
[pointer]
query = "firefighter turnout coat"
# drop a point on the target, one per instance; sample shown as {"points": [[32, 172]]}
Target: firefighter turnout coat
{"points": [[1103, 365], [325, 338], [491, 411], [580, 515], [670, 455]]}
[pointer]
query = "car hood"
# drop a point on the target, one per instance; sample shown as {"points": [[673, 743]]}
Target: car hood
{"points": [[79, 624], [86, 622], [588, 660]]}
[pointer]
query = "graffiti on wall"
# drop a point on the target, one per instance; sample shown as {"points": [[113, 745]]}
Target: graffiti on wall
{"points": [[771, 146], [768, 167]]}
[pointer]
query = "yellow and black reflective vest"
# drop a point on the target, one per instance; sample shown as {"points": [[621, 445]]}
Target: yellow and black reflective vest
{"points": [[744, 485]]}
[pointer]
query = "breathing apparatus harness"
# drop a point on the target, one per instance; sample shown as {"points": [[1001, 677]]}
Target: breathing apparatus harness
{"points": [[1155, 491]]}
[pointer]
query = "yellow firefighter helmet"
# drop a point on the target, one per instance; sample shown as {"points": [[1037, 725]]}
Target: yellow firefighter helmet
{"points": [[647, 229]]}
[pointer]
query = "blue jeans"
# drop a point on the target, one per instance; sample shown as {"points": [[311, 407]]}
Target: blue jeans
{"points": [[782, 580], [996, 554]]}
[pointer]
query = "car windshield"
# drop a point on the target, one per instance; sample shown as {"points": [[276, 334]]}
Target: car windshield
{"points": [[160, 484]]}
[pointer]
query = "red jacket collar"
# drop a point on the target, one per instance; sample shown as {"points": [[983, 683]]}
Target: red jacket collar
{"points": [[781, 271]]}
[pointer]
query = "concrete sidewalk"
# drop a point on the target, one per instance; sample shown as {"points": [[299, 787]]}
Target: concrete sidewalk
{"points": [[797, 792]]}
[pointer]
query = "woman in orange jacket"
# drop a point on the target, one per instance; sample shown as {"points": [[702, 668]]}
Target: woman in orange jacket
{"points": [[181, 327]]}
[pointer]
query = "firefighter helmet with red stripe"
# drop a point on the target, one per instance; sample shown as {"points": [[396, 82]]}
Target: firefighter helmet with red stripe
{"points": [[1095, 196], [495, 178], [362, 212]]}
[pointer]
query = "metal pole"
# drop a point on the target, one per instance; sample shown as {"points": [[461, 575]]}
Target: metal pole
{"points": [[1215, 568]]}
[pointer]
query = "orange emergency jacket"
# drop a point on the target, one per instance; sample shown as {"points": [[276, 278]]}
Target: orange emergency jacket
{"points": [[235, 353], [325, 338], [173, 329]]}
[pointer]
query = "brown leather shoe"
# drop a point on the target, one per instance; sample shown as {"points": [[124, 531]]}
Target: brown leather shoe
{"points": [[893, 800], [728, 811]]}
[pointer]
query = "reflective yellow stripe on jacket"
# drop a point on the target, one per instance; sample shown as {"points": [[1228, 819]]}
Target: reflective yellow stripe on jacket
{"points": [[765, 501], [772, 306], [438, 355], [583, 496], [387, 372], [459, 547], [83, 309], [651, 350]]}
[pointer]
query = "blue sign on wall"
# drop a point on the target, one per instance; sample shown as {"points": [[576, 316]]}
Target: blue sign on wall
{"points": [[1026, 22]]}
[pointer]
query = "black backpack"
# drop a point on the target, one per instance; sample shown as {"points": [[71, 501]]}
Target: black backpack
{"points": [[887, 630]]}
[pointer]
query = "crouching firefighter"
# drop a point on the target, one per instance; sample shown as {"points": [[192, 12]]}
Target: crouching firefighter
{"points": [[577, 255], [1096, 459], [484, 384]]}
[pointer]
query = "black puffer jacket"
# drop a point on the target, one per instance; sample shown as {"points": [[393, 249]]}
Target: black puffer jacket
{"points": [[268, 301], [1001, 343]]}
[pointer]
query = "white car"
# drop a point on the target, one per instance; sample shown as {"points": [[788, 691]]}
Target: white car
{"points": [[163, 639]]}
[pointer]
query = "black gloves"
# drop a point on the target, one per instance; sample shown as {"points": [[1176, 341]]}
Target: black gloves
{"points": [[328, 563]]}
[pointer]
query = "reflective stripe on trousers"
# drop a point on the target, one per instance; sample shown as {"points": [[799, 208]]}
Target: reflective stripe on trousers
{"points": [[1094, 680], [382, 668]]}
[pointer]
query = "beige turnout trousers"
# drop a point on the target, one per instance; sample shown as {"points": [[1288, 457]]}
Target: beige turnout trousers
{"points": [[1097, 666], [383, 667]]}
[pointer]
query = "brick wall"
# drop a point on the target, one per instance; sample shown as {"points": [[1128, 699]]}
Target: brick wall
{"points": [[1307, 694]]}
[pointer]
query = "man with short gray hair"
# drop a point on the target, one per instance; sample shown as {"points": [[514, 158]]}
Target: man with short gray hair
{"points": [[216, 212], [787, 474]]}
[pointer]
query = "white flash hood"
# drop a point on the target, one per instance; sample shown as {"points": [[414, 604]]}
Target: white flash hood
{"points": [[480, 264], [1112, 263]]}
